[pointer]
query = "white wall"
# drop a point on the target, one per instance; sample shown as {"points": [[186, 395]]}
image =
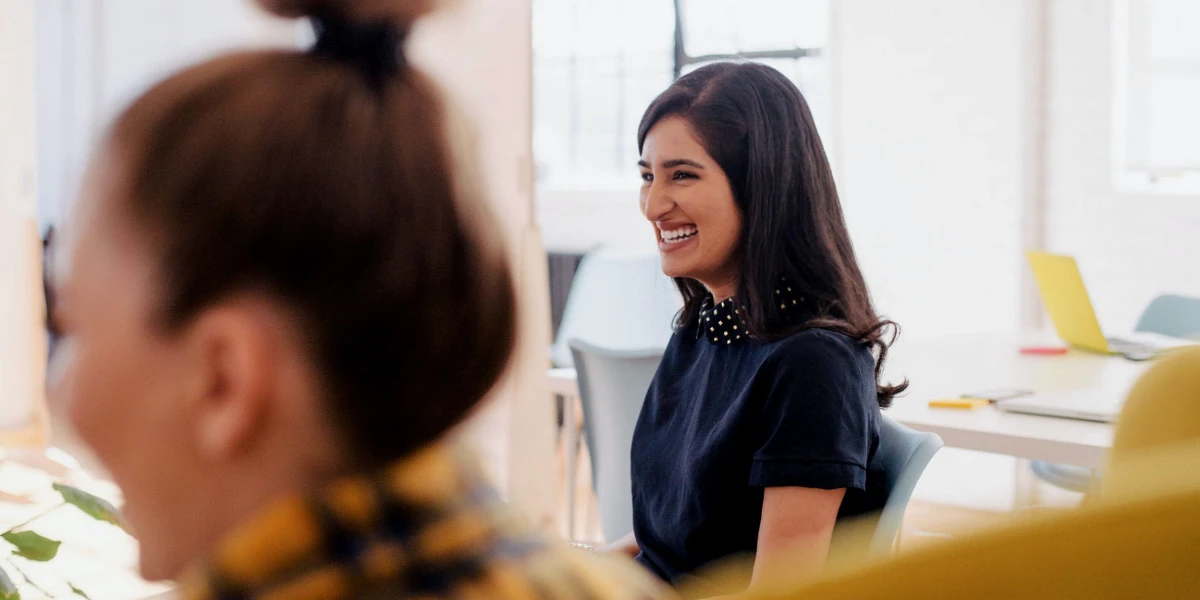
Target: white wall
{"points": [[22, 348], [17, 143], [583, 220], [930, 117], [481, 50], [93, 58], [1130, 247]]}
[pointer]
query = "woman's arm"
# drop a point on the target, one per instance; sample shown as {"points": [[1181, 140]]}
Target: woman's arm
{"points": [[627, 545], [796, 528]]}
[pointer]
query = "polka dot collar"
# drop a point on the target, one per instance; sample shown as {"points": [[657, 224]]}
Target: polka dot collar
{"points": [[722, 324]]}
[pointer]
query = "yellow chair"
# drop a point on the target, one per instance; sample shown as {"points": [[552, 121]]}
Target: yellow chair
{"points": [[1163, 409], [1144, 545], [1163, 406], [1141, 539]]}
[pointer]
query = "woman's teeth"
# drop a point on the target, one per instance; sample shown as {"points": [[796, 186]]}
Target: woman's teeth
{"points": [[675, 236]]}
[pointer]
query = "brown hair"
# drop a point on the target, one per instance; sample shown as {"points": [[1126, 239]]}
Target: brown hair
{"points": [[756, 124], [293, 174]]}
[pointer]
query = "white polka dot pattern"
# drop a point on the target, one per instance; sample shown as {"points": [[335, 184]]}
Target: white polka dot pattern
{"points": [[729, 328]]}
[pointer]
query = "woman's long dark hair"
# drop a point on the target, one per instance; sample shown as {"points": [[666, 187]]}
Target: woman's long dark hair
{"points": [[755, 123]]}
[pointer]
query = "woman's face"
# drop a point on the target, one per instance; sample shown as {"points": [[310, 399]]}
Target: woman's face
{"points": [[687, 197], [120, 382]]}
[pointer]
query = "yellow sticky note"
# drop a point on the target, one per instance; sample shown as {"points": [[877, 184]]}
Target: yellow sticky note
{"points": [[963, 403]]}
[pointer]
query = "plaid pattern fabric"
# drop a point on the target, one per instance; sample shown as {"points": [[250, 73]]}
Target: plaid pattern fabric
{"points": [[426, 528]]}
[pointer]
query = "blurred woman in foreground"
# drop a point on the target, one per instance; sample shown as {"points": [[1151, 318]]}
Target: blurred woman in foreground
{"points": [[279, 294]]}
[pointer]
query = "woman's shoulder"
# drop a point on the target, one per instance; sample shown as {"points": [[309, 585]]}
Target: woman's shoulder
{"points": [[822, 345], [818, 354], [822, 361]]}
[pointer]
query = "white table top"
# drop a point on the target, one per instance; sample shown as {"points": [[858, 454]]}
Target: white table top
{"points": [[953, 366], [562, 381]]}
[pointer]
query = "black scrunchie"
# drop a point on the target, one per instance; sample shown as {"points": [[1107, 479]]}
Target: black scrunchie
{"points": [[376, 48]]}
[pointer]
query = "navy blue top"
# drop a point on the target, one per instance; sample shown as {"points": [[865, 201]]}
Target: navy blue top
{"points": [[723, 420]]}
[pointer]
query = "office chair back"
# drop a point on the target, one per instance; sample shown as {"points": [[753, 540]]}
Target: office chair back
{"points": [[619, 300], [612, 388], [1176, 316], [902, 457]]}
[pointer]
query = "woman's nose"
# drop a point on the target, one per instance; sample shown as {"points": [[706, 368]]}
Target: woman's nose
{"points": [[655, 203]]}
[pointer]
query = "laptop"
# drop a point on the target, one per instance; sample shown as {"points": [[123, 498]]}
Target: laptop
{"points": [[1061, 287], [1102, 406]]}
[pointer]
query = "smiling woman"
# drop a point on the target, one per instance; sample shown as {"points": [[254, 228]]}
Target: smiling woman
{"points": [[758, 428], [692, 207]]}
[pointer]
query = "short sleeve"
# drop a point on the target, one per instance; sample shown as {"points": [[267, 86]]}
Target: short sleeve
{"points": [[820, 418]]}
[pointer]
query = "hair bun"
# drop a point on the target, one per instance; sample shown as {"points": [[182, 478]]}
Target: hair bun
{"points": [[401, 12]]}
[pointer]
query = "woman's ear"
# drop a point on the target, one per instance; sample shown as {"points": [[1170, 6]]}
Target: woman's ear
{"points": [[236, 357]]}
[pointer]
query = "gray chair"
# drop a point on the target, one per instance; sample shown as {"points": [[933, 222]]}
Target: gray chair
{"points": [[1176, 316], [902, 457], [612, 388], [619, 299]]}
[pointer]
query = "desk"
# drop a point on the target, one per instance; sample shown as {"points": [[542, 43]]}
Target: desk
{"points": [[952, 366], [562, 382]]}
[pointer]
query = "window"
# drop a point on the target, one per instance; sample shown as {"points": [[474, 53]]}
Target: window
{"points": [[599, 63], [1157, 107]]}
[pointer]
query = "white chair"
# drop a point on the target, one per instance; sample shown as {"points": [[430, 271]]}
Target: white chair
{"points": [[612, 388], [620, 300]]}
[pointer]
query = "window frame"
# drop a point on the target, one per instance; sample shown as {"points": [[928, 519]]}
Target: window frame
{"points": [[560, 189], [1132, 70], [684, 60]]}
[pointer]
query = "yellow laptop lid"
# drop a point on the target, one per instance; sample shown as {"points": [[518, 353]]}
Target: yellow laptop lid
{"points": [[1066, 299]]}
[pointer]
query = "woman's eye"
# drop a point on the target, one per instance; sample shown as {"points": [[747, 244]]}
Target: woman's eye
{"points": [[647, 177], [684, 175]]}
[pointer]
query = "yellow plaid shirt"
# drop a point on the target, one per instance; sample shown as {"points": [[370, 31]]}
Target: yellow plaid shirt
{"points": [[428, 527]]}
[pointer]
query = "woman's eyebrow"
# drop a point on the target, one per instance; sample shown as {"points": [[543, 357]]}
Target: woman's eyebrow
{"points": [[674, 162]]}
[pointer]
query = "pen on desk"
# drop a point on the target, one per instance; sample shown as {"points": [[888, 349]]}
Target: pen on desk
{"points": [[960, 403]]}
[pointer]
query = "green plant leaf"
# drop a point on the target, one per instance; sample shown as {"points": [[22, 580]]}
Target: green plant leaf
{"points": [[8, 589], [12, 565], [78, 592], [94, 506], [33, 545]]}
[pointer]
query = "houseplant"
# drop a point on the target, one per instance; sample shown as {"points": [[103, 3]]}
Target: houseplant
{"points": [[28, 545]]}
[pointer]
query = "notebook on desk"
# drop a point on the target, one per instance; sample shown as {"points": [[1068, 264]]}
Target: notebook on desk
{"points": [[1085, 405], [1065, 296]]}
